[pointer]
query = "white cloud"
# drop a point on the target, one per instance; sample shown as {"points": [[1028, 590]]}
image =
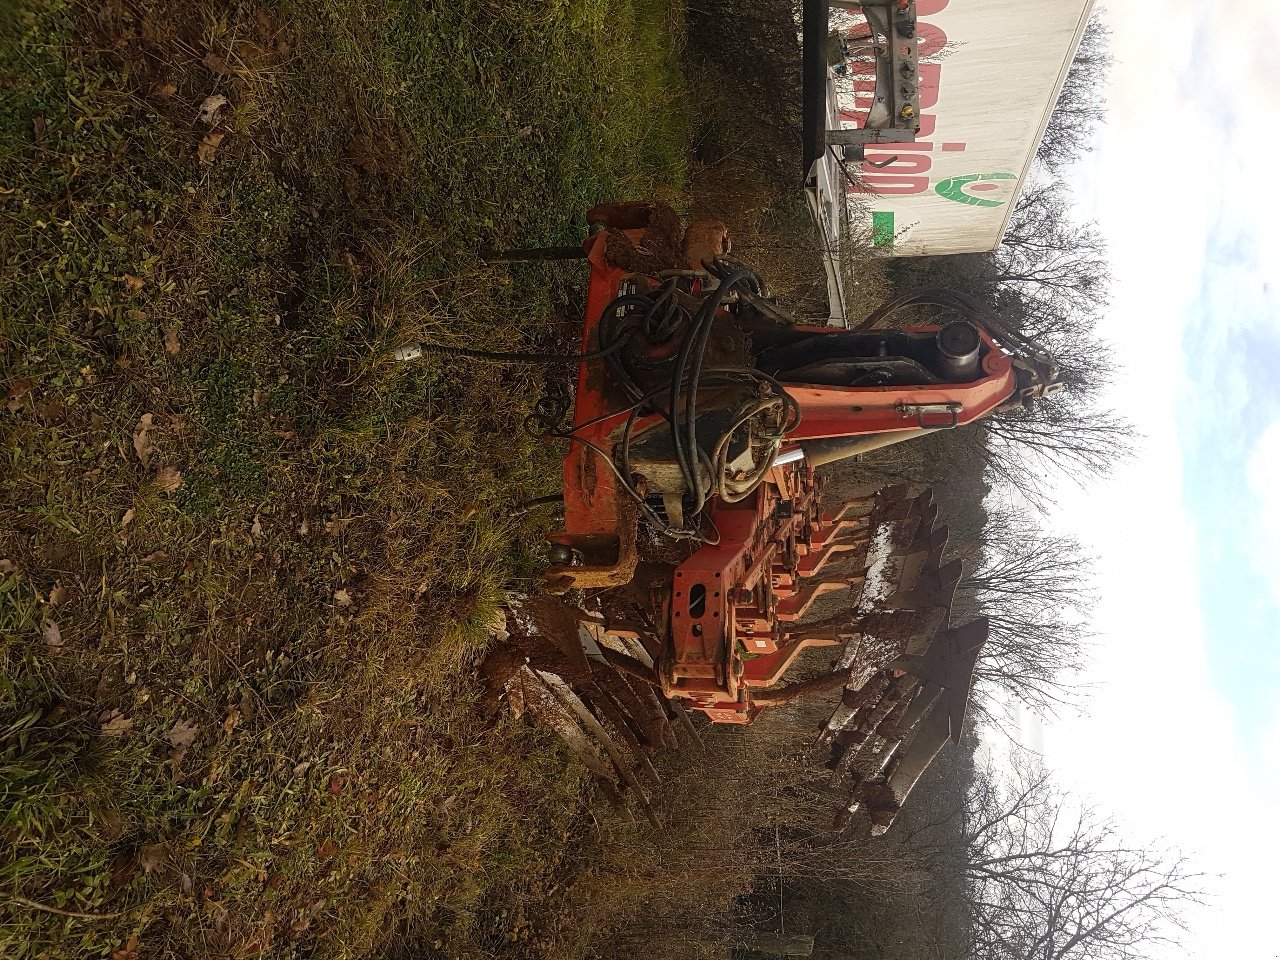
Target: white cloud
{"points": [[1184, 165], [1262, 475], [1159, 745]]}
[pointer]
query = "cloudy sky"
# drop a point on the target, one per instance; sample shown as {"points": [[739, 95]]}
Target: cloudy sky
{"points": [[1182, 736]]}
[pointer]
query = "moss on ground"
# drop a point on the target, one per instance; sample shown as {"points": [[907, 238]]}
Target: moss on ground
{"points": [[245, 561]]}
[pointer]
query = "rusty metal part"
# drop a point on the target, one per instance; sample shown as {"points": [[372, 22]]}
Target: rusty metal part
{"points": [[700, 413], [595, 690], [909, 671], [905, 672]]}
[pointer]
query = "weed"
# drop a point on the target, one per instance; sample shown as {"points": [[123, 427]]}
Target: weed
{"points": [[247, 559]]}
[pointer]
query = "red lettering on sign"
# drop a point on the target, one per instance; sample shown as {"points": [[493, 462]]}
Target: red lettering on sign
{"points": [[932, 39], [895, 186], [930, 80], [910, 163], [902, 176]]}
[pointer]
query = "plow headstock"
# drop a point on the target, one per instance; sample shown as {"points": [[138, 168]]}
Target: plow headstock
{"points": [[695, 522]]}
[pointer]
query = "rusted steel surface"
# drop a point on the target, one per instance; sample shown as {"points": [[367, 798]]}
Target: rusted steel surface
{"points": [[598, 680], [557, 665], [910, 670], [700, 412]]}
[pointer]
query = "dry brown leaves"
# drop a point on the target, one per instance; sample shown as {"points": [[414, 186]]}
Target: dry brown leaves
{"points": [[168, 479], [209, 144], [215, 63], [18, 390], [114, 723], [183, 734], [153, 856], [141, 443], [171, 343]]}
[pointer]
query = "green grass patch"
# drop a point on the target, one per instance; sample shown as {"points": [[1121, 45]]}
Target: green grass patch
{"points": [[247, 560]]}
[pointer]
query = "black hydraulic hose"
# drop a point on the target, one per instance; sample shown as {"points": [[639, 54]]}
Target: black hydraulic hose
{"points": [[702, 333], [505, 357], [969, 308], [551, 499]]}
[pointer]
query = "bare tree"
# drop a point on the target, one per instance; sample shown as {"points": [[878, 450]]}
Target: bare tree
{"points": [[1080, 106], [1050, 879], [1029, 448], [1035, 590], [1053, 259]]}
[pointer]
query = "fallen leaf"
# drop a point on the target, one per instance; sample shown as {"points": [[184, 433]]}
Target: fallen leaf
{"points": [[209, 145], [17, 390], [232, 718], [214, 63], [7, 565], [335, 786], [183, 734], [326, 849], [52, 635], [152, 856], [342, 598], [171, 343], [211, 107], [304, 528], [127, 518], [151, 559], [128, 952], [164, 91], [133, 283], [59, 594], [38, 127], [114, 724], [168, 479], [141, 445], [256, 529]]}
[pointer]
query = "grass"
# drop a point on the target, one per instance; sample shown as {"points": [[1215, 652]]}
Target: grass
{"points": [[246, 561]]}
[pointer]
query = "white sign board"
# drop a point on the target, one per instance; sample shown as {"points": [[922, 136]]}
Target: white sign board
{"points": [[990, 73]]}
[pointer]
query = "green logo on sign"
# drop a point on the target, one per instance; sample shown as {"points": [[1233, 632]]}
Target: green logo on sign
{"points": [[953, 188]]}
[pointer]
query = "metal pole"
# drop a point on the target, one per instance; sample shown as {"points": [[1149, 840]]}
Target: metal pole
{"points": [[523, 254]]}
